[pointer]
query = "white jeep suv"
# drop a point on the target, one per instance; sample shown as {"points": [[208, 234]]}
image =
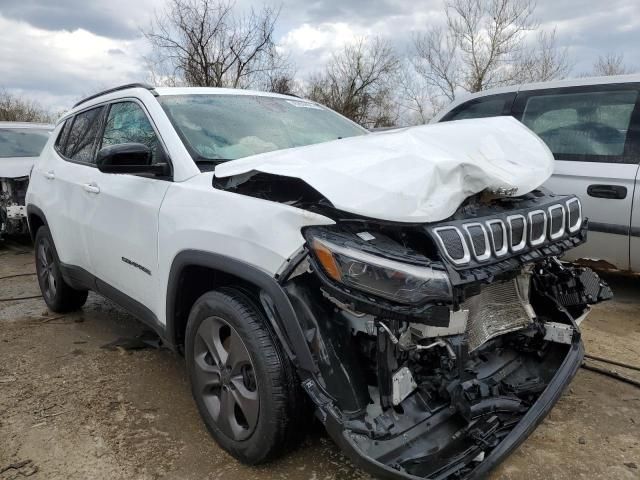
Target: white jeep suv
{"points": [[403, 285]]}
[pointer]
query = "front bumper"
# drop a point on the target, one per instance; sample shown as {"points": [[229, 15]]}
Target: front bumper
{"points": [[547, 399]]}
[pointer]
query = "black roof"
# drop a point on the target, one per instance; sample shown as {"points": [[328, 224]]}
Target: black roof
{"points": [[115, 89]]}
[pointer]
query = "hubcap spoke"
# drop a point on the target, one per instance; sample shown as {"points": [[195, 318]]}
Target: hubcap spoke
{"points": [[209, 332], [208, 375], [238, 354], [227, 418], [247, 400]]}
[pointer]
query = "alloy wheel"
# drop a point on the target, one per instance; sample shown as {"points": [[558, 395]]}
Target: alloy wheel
{"points": [[225, 378], [47, 270]]}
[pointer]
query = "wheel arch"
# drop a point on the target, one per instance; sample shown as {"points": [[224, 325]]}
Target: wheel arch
{"points": [[194, 272], [35, 219]]}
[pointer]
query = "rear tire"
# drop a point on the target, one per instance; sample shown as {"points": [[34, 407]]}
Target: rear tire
{"points": [[244, 387], [59, 296]]}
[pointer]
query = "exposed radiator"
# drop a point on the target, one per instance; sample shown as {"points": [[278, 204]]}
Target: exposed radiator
{"points": [[500, 308]]}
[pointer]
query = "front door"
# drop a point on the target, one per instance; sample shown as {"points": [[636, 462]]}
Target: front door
{"points": [[124, 220], [590, 132]]}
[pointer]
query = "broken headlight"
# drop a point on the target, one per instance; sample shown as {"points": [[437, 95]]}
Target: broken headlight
{"points": [[400, 282]]}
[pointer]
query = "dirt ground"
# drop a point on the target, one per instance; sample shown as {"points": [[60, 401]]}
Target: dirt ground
{"points": [[70, 409]]}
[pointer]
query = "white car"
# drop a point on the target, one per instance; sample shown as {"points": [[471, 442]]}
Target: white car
{"points": [[404, 285], [592, 126], [20, 144]]}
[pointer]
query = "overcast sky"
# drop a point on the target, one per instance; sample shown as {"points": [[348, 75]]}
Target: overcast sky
{"points": [[55, 51]]}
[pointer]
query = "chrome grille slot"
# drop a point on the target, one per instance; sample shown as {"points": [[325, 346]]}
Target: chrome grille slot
{"points": [[517, 230], [454, 244], [499, 237], [575, 215], [556, 221], [479, 240], [537, 227]]}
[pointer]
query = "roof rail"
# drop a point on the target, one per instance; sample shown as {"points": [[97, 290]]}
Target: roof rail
{"points": [[115, 89]]}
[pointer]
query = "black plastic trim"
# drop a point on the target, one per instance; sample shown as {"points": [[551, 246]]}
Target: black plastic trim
{"points": [[285, 314], [33, 210], [79, 278], [520, 432], [614, 229], [115, 89]]}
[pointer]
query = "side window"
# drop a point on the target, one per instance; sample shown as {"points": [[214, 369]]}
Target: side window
{"points": [[82, 136], [62, 136], [128, 123], [490, 106], [583, 126]]}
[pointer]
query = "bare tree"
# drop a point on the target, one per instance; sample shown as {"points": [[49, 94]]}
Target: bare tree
{"points": [[611, 64], [358, 83], [205, 43], [16, 109], [541, 62], [484, 45], [417, 101]]}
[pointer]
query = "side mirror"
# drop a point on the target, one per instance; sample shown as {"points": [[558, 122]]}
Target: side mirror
{"points": [[128, 158]]}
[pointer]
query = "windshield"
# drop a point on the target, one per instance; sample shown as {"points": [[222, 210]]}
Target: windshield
{"points": [[22, 142], [226, 127]]}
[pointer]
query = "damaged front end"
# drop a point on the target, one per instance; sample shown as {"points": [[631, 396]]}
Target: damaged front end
{"points": [[440, 347], [13, 218]]}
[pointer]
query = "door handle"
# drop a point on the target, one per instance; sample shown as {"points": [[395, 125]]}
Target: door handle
{"points": [[91, 188], [612, 192], [50, 175]]}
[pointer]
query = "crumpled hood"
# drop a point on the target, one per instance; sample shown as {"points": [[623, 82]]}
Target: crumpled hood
{"points": [[417, 174], [15, 167]]}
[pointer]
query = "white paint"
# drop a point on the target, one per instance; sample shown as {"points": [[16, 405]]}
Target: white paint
{"points": [[417, 174]]}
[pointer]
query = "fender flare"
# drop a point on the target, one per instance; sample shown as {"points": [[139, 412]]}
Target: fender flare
{"points": [[279, 310], [33, 210]]}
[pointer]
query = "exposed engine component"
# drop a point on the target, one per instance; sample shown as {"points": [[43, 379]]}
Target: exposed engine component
{"points": [[499, 308], [13, 214]]}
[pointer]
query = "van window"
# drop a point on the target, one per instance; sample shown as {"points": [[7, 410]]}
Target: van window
{"points": [[582, 126], [489, 106]]}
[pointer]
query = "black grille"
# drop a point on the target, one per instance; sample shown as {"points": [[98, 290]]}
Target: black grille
{"points": [[517, 231], [556, 221], [537, 225], [477, 238], [574, 214], [498, 239], [452, 243]]}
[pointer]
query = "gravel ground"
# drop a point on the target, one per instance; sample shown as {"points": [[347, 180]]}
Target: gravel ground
{"points": [[70, 409]]}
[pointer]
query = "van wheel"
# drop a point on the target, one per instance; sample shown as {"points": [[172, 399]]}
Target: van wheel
{"points": [[59, 296], [243, 385]]}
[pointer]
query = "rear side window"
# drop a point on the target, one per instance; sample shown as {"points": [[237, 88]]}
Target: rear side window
{"points": [[128, 123], [583, 126], [489, 106], [79, 146], [62, 136]]}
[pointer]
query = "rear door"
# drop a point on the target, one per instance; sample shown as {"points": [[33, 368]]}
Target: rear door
{"points": [[64, 176], [590, 132]]}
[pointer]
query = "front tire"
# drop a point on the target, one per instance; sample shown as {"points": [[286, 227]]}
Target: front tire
{"points": [[243, 385], [59, 296]]}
